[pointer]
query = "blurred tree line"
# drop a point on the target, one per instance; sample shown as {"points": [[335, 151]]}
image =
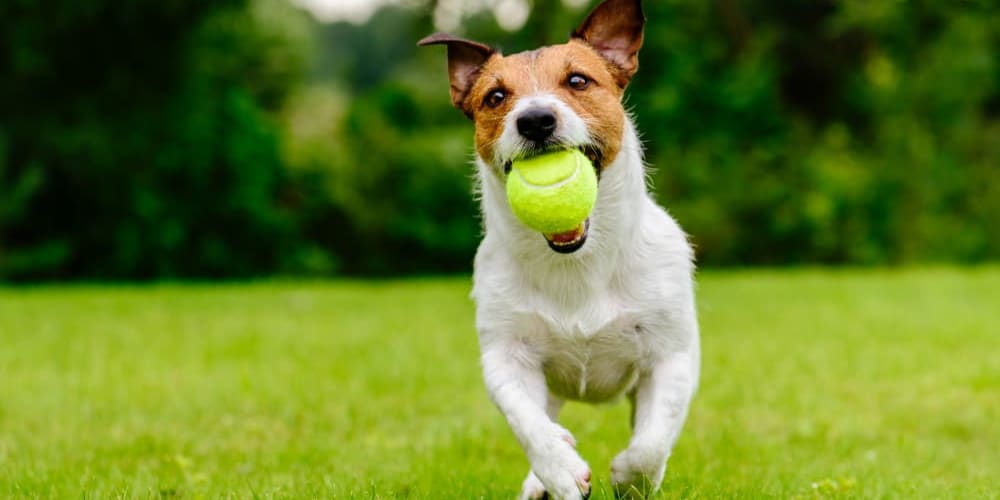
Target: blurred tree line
{"points": [[228, 138], [138, 139]]}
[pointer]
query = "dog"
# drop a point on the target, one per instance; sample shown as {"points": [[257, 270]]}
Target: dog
{"points": [[604, 310]]}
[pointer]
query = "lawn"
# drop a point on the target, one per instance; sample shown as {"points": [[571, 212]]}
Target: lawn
{"points": [[815, 384]]}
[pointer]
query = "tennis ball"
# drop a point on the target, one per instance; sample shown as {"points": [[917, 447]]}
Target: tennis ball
{"points": [[552, 193]]}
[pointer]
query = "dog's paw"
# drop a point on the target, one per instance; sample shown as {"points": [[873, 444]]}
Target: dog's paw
{"points": [[532, 489], [560, 470], [637, 472], [565, 435]]}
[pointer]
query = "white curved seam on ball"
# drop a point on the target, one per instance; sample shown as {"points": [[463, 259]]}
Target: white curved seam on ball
{"points": [[555, 185]]}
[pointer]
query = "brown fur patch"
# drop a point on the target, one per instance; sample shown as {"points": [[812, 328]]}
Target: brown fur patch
{"points": [[548, 70], [615, 30]]}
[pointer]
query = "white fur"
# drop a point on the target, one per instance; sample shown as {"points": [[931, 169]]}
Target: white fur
{"points": [[615, 317], [570, 131]]}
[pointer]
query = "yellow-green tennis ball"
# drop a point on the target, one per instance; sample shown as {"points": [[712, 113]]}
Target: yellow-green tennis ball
{"points": [[552, 193]]}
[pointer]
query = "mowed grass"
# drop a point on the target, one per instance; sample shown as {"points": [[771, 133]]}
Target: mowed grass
{"points": [[815, 384]]}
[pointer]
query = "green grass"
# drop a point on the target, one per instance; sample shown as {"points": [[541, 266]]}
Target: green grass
{"points": [[815, 384]]}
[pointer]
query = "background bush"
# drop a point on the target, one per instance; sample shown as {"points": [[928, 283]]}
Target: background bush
{"points": [[137, 141], [227, 138]]}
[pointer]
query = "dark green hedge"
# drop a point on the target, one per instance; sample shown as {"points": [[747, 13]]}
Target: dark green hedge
{"points": [[156, 140], [135, 142]]}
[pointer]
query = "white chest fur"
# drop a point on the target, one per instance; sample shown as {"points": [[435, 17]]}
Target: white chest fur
{"points": [[595, 365]]}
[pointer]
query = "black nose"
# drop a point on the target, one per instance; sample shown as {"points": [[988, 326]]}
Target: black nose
{"points": [[536, 124]]}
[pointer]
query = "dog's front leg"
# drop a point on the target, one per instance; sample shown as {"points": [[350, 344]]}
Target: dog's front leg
{"points": [[661, 402], [517, 386]]}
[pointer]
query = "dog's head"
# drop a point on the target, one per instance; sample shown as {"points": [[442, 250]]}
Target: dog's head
{"points": [[556, 97]]}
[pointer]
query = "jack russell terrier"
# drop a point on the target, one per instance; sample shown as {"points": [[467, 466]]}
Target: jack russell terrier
{"points": [[604, 311]]}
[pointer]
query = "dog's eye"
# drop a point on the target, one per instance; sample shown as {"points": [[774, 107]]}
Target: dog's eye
{"points": [[577, 81], [495, 98]]}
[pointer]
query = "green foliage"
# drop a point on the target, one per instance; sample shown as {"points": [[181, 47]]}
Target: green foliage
{"points": [[274, 390], [384, 175], [824, 132], [829, 132], [138, 142], [233, 138]]}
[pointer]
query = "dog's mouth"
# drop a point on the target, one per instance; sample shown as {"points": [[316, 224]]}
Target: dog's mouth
{"points": [[569, 241], [592, 152]]}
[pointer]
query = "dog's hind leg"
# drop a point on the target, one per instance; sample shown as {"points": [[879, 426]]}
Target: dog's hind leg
{"points": [[532, 488], [661, 402], [517, 386]]}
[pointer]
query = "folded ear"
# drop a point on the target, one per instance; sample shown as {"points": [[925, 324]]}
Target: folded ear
{"points": [[614, 29], [465, 58]]}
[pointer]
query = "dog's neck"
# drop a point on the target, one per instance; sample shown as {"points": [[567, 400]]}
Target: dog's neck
{"points": [[613, 232]]}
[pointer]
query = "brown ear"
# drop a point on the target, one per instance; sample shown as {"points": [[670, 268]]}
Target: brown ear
{"points": [[614, 29], [465, 58]]}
